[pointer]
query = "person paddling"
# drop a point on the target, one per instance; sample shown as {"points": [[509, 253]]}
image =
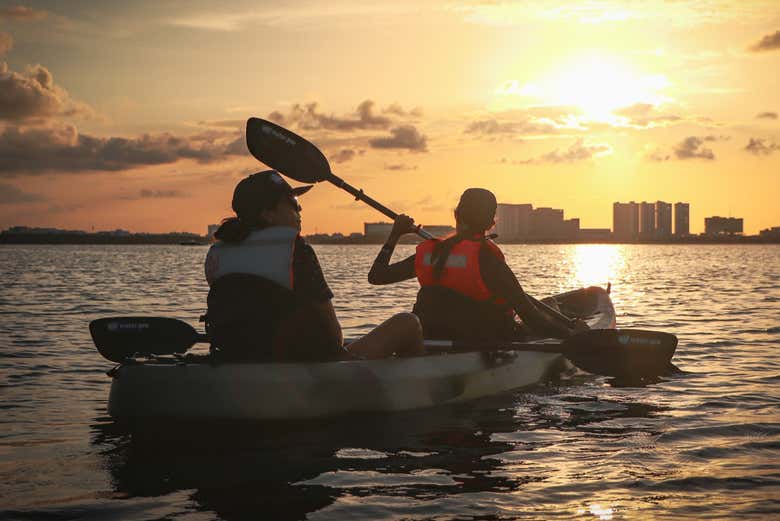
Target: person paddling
{"points": [[467, 291], [268, 298]]}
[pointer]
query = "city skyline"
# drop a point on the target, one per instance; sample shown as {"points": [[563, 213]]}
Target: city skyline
{"points": [[131, 115]]}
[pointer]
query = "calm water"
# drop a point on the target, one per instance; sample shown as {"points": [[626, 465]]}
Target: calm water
{"points": [[703, 444]]}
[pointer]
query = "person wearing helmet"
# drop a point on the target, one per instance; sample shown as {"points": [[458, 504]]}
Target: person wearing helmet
{"points": [[467, 291], [268, 299]]}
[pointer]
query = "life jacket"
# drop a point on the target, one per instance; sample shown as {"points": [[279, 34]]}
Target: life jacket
{"points": [[458, 304], [250, 301], [266, 253], [461, 272]]}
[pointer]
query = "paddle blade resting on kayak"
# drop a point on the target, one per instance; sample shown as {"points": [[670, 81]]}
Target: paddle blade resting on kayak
{"points": [[118, 338]]}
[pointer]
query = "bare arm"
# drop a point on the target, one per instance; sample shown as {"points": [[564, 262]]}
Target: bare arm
{"points": [[500, 279], [382, 272]]}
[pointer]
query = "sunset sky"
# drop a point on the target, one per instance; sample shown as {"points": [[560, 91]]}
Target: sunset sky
{"points": [[130, 114]]}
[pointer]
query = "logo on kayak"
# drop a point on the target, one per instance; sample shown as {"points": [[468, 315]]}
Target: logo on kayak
{"points": [[278, 135], [136, 326], [626, 339]]}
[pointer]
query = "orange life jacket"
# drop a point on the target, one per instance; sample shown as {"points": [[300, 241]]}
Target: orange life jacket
{"points": [[461, 272]]}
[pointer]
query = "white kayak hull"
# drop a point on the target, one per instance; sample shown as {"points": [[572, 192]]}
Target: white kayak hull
{"points": [[295, 391], [176, 389]]}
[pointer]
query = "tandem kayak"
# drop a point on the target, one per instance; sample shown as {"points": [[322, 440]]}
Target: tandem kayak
{"points": [[182, 388]]}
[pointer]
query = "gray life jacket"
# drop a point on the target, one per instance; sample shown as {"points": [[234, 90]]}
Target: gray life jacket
{"points": [[267, 253]]}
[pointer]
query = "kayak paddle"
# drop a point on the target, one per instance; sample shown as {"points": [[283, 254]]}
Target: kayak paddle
{"points": [[297, 158], [621, 353]]}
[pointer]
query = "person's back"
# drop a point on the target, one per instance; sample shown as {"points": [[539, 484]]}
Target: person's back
{"points": [[454, 301], [467, 291], [268, 299], [264, 280]]}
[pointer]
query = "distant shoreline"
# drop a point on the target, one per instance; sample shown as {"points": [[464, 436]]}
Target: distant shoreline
{"points": [[185, 239]]}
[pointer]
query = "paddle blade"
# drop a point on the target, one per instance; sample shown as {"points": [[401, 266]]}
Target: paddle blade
{"points": [[286, 151], [120, 337], [621, 353]]}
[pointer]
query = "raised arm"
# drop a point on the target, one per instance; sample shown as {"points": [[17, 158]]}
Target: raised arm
{"points": [[382, 272]]}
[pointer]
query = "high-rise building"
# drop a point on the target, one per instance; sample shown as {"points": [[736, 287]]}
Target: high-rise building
{"points": [[722, 225], [646, 219], [377, 231], [547, 223], [625, 220], [682, 219], [513, 221], [663, 219]]}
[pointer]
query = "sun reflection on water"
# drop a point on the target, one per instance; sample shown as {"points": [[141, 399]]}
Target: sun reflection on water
{"points": [[596, 264], [598, 511]]}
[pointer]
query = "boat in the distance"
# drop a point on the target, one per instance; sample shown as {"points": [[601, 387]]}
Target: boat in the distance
{"points": [[194, 388]]}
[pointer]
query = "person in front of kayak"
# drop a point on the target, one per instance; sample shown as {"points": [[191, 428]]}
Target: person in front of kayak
{"points": [[268, 298], [467, 291]]}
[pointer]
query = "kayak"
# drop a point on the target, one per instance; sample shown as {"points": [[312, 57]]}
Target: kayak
{"points": [[186, 388]]}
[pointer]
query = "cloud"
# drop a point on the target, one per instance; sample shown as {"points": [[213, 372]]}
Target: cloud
{"points": [[524, 125], [645, 115], [225, 123], [6, 42], [345, 154], [21, 13], [761, 147], [63, 149], [34, 95], [405, 137], [397, 110], [767, 115], [490, 127], [308, 117], [770, 42], [579, 151], [10, 194], [693, 147], [400, 167], [154, 194]]}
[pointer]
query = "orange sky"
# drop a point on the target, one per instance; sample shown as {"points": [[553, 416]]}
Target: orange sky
{"points": [[130, 116]]}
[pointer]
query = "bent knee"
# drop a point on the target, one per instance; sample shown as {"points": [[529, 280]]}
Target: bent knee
{"points": [[408, 321]]}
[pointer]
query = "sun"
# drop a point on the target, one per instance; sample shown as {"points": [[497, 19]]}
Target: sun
{"points": [[596, 84]]}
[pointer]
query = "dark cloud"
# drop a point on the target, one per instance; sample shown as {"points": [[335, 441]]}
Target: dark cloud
{"points": [[33, 95], [579, 151], [6, 42], [527, 125], [397, 110], [405, 136], [308, 117], [21, 13], [490, 127], [761, 147], [693, 147], [343, 155], [767, 115], [645, 115], [400, 167], [770, 42], [10, 194], [154, 194], [62, 149]]}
